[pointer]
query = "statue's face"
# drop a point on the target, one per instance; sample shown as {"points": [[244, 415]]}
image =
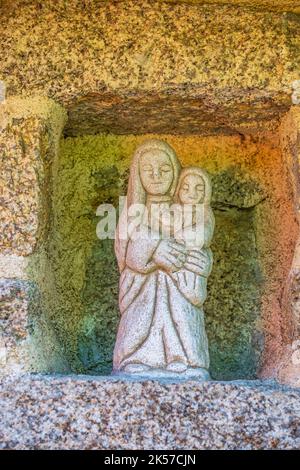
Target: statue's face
{"points": [[192, 190], [156, 172]]}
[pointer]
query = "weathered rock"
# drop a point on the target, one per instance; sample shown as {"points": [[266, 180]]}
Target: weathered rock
{"points": [[280, 5], [88, 413], [128, 67], [289, 367], [14, 352], [29, 134], [29, 131]]}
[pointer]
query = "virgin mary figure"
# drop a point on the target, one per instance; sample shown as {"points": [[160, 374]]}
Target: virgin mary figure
{"points": [[160, 330]]}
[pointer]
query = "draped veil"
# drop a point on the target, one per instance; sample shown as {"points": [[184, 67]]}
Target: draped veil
{"points": [[136, 193]]}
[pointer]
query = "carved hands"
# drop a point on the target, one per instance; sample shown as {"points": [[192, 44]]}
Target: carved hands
{"points": [[199, 262], [170, 255]]}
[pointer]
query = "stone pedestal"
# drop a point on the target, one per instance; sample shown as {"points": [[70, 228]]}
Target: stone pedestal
{"points": [[92, 413]]}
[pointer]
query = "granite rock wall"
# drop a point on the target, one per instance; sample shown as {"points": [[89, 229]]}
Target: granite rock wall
{"points": [[29, 132], [79, 413], [160, 67]]}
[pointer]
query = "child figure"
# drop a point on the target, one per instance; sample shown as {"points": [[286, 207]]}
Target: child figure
{"points": [[193, 193], [190, 221]]}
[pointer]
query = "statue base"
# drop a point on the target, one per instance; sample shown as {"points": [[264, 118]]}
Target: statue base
{"points": [[199, 374]]}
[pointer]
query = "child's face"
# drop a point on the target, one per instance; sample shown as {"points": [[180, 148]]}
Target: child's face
{"points": [[192, 190]]}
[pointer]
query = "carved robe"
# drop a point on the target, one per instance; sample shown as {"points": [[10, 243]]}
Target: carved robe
{"points": [[167, 327]]}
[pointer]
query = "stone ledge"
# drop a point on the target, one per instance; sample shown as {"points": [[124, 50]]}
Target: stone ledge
{"points": [[76, 412]]}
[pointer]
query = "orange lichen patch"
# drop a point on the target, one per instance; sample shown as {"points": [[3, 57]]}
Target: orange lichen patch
{"points": [[289, 367]]}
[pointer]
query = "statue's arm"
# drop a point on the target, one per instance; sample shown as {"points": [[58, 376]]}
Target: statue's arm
{"points": [[146, 254], [139, 255]]}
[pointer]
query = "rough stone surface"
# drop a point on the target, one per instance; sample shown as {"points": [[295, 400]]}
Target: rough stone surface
{"points": [[29, 130], [21, 191], [14, 352], [86, 413], [137, 67], [289, 369], [29, 134], [20, 320], [13, 266], [280, 5]]}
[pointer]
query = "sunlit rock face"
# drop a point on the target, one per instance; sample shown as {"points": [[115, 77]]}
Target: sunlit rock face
{"points": [[280, 5], [156, 67]]}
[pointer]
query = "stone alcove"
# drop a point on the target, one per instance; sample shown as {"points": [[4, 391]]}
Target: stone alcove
{"points": [[73, 323], [49, 181], [85, 82]]}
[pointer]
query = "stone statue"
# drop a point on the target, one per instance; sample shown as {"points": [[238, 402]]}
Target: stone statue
{"points": [[163, 271]]}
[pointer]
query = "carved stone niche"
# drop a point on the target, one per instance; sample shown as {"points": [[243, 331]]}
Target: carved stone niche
{"points": [[59, 288], [71, 291]]}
